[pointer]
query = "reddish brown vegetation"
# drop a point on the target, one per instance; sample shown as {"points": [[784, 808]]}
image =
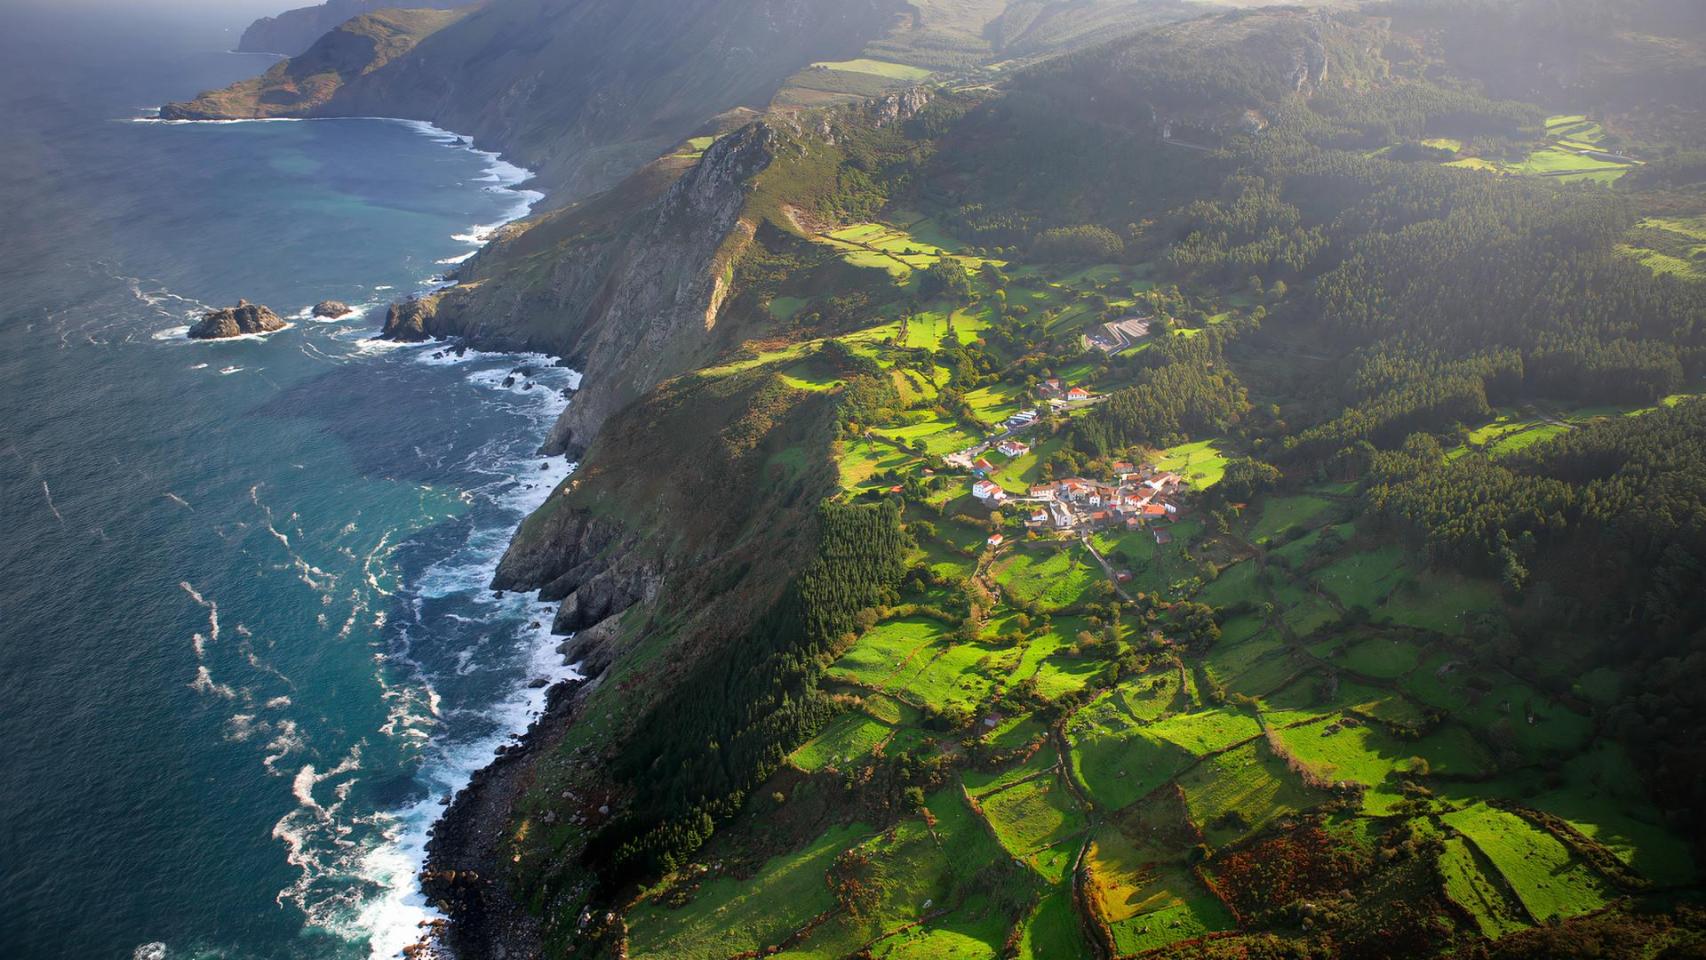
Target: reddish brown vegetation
{"points": [[1306, 862]]}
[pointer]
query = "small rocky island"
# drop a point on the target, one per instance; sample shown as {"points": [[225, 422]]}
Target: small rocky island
{"points": [[244, 318], [332, 309]]}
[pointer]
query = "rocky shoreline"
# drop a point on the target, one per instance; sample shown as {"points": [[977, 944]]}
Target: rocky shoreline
{"points": [[463, 866]]}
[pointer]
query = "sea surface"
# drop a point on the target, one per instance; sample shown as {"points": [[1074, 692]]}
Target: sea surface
{"points": [[246, 645]]}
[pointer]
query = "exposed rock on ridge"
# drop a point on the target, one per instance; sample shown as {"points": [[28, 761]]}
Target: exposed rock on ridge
{"points": [[632, 307]]}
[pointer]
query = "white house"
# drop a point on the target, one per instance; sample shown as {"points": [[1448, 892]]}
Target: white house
{"points": [[988, 491]]}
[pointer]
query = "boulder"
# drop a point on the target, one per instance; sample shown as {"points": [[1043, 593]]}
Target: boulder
{"points": [[332, 309], [244, 318]]}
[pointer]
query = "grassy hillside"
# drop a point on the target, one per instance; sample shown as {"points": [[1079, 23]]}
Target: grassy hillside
{"points": [[1164, 503]]}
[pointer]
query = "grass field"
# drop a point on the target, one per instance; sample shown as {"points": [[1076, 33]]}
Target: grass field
{"points": [[1358, 754], [1052, 578], [1236, 584], [1279, 514], [729, 916], [1364, 579], [1512, 711], [1381, 657], [939, 438], [861, 460], [943, 674], [1231, 659], [1548, 880], [1031, 819], [1469, 886], [1438, 601], [1236, 793], [1119, 768], [880, 68], [1202, 463], [1052, 930], [1148, 904], [849, 737], [1563, 155], [1207, 732], [878, 655], [1674, 245], [1147, 697]]}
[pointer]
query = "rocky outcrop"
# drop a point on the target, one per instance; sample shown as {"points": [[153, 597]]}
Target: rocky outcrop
{"points": [[596, 647], [409, 321], [606, 595], [292, 32], [243, 319], [657, 308], [332, 309]]}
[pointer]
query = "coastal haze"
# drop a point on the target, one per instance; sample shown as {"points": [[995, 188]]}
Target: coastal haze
{"points": [[244, 623]]}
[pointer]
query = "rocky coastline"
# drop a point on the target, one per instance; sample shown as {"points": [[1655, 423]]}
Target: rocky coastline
{"points": [[462, 873]]}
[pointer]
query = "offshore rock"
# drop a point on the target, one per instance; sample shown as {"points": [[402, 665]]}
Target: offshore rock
{"points": [[332, 309], [243, 319], [408, 321]]}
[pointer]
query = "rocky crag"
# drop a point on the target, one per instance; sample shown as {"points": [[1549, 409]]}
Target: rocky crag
{"points": [[243, 319], [631, 299]]}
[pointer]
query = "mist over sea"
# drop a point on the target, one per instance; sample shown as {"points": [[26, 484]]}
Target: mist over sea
{"points": [[245, 637]]}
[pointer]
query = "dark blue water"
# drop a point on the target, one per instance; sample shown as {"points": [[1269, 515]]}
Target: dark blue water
{"points": [[244, 637]]}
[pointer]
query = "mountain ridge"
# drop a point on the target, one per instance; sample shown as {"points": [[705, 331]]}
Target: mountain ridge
{"points": [[292, 32]]}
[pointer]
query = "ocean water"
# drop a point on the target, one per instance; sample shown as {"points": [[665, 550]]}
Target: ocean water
{"points": [[245, 638]]}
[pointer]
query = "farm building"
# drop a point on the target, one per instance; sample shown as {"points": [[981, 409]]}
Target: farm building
{"points": [[1118, 335]]}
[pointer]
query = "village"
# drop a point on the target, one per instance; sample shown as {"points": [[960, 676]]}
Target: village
{"points": [[1137, 496], [1133, 496]]}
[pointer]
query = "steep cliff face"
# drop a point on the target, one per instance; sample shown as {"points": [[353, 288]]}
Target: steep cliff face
{"points": [[292, 32], [631, 299], [662, 571]]}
